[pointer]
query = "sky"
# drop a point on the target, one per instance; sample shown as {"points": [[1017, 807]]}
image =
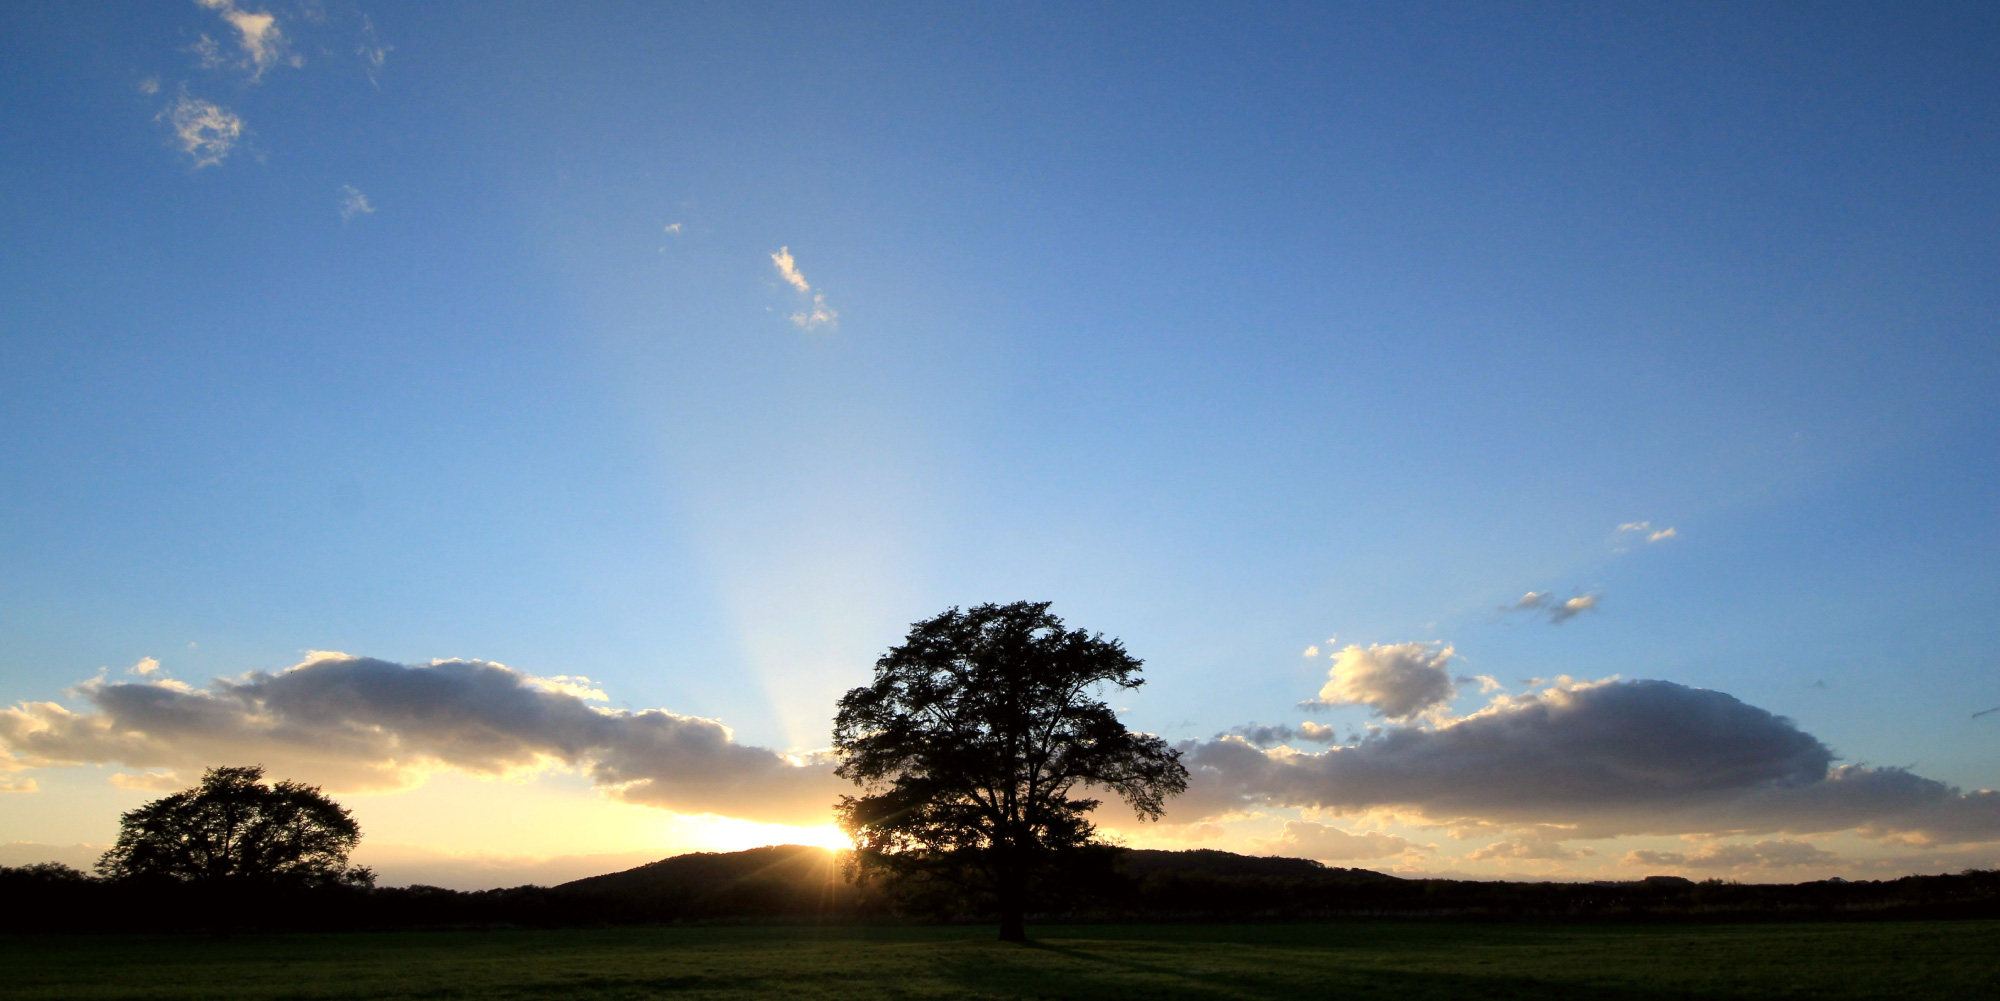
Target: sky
{"points": [[1529, 440]]}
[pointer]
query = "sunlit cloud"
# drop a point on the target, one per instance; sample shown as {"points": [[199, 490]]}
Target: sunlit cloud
{"points": [[19, 785], [1663, 534], [147, 781], [262, 42], [788, 269], [145, 667], [1305, 839], [1398, 680], [815, 314], [1602, 759], [355, 723], [205, 131], [1782, 853]]}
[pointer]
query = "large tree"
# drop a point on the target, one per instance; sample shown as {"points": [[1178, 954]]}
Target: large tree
{"points": [[980, 741], [233, 828]]}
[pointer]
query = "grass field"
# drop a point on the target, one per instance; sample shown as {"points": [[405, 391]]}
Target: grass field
{"points": [[1102, 963]]}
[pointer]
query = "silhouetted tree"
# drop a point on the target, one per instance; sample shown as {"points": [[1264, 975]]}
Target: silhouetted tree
{"points": [[977, 742], [233, 828]]}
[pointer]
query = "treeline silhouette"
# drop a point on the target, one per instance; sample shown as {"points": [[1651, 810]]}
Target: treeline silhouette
{"points": [[798, 884]]}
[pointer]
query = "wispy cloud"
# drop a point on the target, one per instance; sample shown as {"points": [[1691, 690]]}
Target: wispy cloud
{"points": [[19, 785], [205, 131], [372, 52], [815, 314], [353, 203], [672, 227], [1646, 528], [258, 36], [147, 781], [1558, 611], [149, 86], [788, 269]]}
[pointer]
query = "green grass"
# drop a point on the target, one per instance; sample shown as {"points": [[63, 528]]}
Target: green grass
{"points": [[1345, 961]]}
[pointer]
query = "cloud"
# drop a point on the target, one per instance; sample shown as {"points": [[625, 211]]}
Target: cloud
{"points": [[1558, 612], [206, 132], [145, 667], [372, 52], [788, 269], [1604, 759], [356, 723], [816, 314], [1311, 651], [1779, 854], [1647, 527], [672, 227], [19, 785], [1268, 736], [353, 203], [1535, 843], [148, 781], [1398, 680], [149, 86], [263, 43], [1982, 712], [1305, 839], [821, 315]]}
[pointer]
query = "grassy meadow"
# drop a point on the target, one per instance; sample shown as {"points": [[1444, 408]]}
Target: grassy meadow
{"points": [[1959, 959]]}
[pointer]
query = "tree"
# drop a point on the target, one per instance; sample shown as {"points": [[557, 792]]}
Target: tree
{"points": [[977, 742], [234, 829]]}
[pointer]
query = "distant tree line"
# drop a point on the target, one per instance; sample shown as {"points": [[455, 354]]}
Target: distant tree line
{"points": [[792, 884]]}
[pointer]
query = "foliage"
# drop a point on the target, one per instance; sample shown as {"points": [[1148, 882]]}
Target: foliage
{"points": [[233, 828], [977, 747]]}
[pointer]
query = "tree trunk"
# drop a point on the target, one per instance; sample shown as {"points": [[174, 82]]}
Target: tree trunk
{"points": [[1013, 902]]}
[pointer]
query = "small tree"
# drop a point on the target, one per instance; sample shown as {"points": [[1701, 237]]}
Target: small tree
{"points": [[234, 829], [976, 741]]}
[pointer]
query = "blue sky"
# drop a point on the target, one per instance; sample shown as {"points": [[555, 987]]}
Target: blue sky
{"points": [[461, 333]]}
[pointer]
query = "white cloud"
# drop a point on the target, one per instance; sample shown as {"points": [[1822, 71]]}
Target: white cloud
{"points": [[1398, 680], [371, 50], [1602, 759], [206, 132], [1311, 651], [820, 315], [1557, 611], [263, 43], [353, 203], [1662, 534], [1305, 839], [788, 269], [149, 86], [1635, 526], [672, 227], [356, 724], [145, 667]]}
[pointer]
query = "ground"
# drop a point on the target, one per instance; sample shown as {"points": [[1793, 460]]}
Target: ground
{"points": [[1404, 961]]}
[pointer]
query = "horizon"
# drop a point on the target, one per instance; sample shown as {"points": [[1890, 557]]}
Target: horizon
{"points": [[1520, 443]]}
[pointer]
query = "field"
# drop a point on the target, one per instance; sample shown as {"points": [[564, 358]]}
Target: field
{"points": [[1342, 960]]}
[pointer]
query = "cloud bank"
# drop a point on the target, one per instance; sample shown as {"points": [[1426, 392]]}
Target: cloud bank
{"points": [[360, 724], [1601, 759]]}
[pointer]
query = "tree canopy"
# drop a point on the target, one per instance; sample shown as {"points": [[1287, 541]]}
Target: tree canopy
{"points": [[235, 828], [980, 741]]}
